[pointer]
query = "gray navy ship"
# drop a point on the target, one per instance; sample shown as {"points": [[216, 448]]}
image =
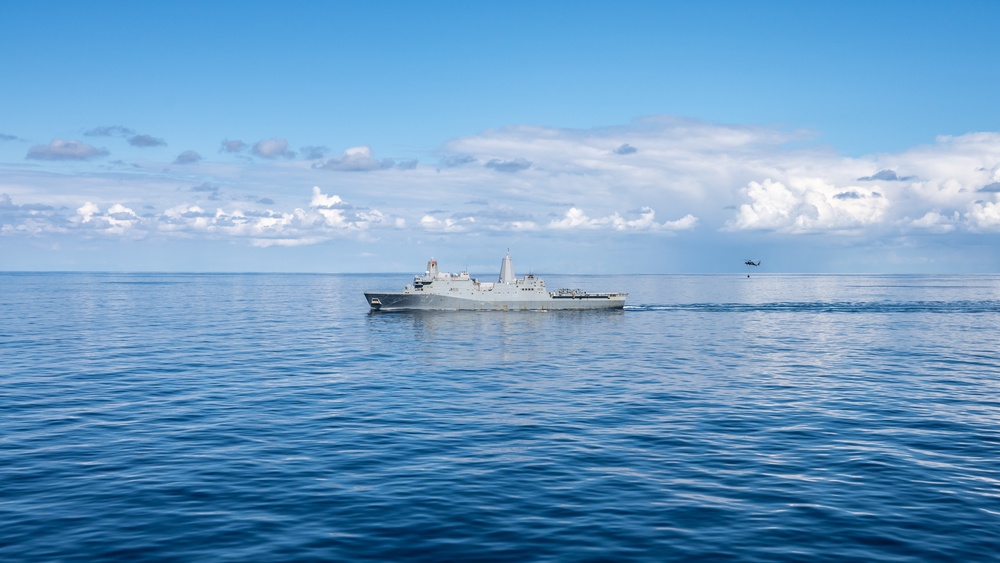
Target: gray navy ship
{"points": [[442, 291]]}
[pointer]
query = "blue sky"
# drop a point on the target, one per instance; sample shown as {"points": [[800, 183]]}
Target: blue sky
{"points": [[584, 136]]}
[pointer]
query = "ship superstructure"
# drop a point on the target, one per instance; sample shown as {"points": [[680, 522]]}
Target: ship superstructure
{"points": [[436, 290]]}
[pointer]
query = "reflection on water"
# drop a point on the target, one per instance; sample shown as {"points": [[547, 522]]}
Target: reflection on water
{"points": [[494, 336]]}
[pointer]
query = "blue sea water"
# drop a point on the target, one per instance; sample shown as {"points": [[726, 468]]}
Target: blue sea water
{"points": [[274, 418]]}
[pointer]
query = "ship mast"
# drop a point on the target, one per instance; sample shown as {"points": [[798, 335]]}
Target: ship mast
{"points": [[507, 270]]}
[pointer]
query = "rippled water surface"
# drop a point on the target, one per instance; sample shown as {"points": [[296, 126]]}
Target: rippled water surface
{"points": [[273, 418]]}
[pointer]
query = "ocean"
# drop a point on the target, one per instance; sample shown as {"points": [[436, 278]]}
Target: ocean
{"points": [[272, 417]]}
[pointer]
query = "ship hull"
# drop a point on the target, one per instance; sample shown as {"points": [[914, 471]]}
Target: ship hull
{"points": [[441, 291], [432, 302]]}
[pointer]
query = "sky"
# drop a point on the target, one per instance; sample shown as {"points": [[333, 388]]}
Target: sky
{"points": [[583, 137]]}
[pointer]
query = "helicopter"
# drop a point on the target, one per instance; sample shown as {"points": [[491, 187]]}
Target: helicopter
{"points": [[752, 263]]}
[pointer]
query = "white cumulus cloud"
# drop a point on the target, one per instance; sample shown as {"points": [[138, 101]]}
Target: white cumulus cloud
{"points": [[984, 216], [807, 205], [87, 211], [936, 222], [327, 216], [321, 200], [447, 225], [575, 218]]}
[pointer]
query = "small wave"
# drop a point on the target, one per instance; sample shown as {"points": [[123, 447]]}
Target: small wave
{"points": [[140, 282], [829, 307]]}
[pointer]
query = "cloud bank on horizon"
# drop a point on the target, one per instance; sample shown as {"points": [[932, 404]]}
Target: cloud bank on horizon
{"points": [[658, 176]]}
